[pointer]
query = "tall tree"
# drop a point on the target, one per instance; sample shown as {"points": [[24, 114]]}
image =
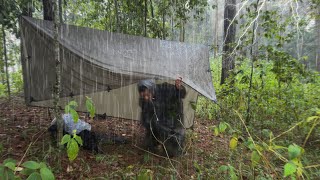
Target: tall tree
{"points": [[48, 10], [318, 38], [228, 60], [117, 15], [6, 60], [56, 22], [216, 29], [145, 18]]}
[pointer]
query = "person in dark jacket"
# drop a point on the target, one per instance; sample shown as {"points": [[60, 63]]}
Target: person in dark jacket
{"points": [[162, 115]]}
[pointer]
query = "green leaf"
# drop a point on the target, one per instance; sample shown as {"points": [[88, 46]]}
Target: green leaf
{"points": [[90, 107], [65, 139], [67, 109], [222, 127], [73, 150], [216, 131], [10, 165], [31, 165], [46, 174], [232, 173], [9, 160], [255, 158], [6, 173], [223, 168], [289, 169], [233, 143], [309, 119], [74, 115], [145, 174], [73, 104], [294, 151], [78, 139], [34, 176], [27, 171], [42, 165]]}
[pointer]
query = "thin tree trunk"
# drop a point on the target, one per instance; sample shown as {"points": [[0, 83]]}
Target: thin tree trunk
{"points": [[163, 25], [27, 11], [145, 18], [60, 11], [117, 16], [252, 61], [2, 71], [57, 87], [172, 30], [64, 10], [229, 38], [182, 31], [318, 40], [216, 27], [48, 12], [6, 61]]}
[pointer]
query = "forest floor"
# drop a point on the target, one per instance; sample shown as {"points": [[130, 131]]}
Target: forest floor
{"points": [[24, 136]]}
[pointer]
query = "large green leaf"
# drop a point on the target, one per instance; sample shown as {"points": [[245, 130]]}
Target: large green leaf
{"points": [[27, 171], [78, 139], [65, 139], [10, 165], [6, 173], [73, 149], [289, 169], [74, 115], [34, 176], [46, 174], [31, 165]]}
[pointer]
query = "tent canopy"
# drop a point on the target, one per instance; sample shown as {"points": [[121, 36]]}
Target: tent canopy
{"points": [[107, 66]]}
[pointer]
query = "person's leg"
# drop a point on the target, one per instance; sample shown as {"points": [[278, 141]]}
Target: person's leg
{"points": [[150, 140], [89, 140], [174, 145]]}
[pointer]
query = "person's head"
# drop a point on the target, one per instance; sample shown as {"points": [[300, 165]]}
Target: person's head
{"points": [[146, 89]]}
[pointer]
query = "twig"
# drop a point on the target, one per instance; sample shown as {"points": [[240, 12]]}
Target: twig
{"points": [[24, 155], [164, 157]]}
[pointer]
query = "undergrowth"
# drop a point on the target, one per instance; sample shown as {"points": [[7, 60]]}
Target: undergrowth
{"points": [[279, 135]]}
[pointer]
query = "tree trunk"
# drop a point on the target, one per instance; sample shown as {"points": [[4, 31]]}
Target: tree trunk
{"points": [[6, 61], [228, 61], [182, 31], [318, 40], [27, 10], [60, 11], [2, 70], [57, 59], [163, 26], [145, 18], [48, 11], [117, 15], [216, 27], [253, 56]]}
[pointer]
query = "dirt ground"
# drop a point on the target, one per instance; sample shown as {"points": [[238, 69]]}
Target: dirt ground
{"points": [[24, 136]]}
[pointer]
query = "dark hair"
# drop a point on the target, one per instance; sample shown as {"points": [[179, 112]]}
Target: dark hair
{"points": [[146, 84], [142, 88]]}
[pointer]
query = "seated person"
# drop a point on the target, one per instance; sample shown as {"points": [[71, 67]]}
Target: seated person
{"points": [[83, 129], [162, 115]]}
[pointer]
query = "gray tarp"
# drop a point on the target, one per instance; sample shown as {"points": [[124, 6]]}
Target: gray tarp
{"points": [[95, 61]]}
